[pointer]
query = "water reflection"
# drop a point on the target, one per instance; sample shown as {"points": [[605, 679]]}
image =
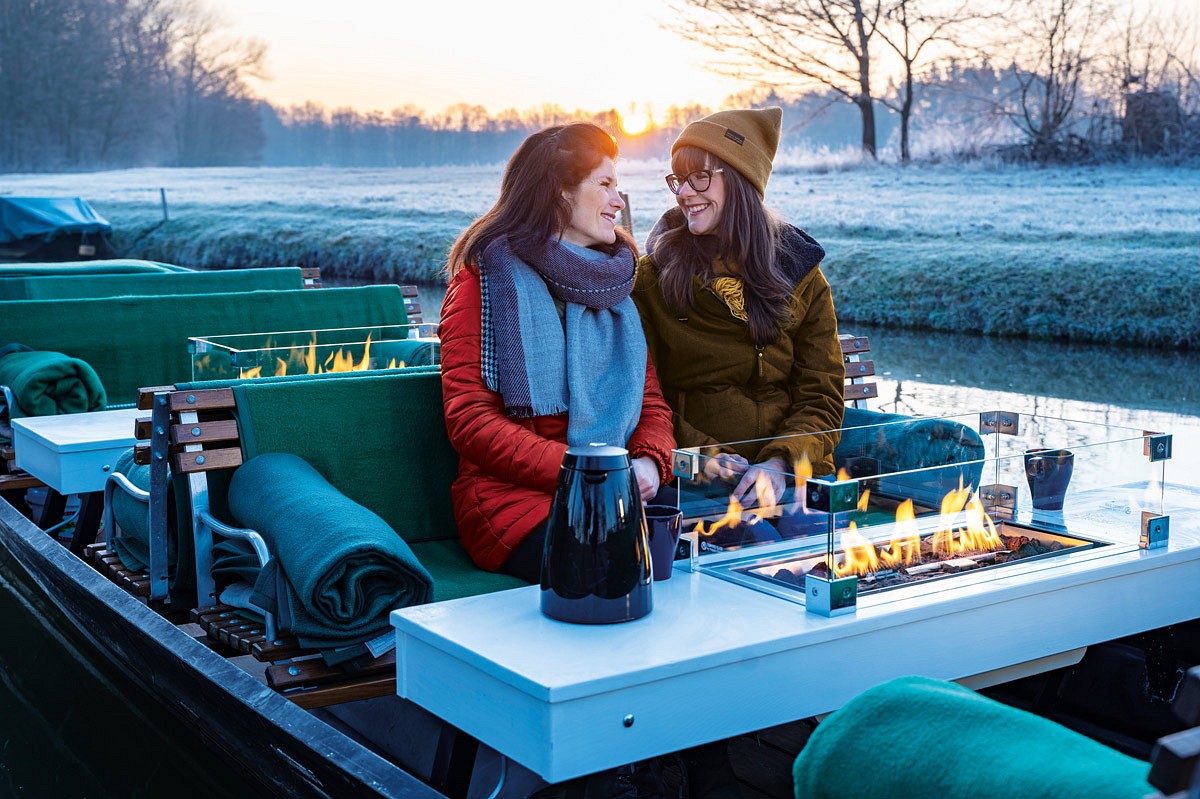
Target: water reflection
{"points": [[941, 373]]}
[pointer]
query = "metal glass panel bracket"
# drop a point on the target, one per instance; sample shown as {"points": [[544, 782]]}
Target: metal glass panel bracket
{"points": [[831, 595], [999, 422]]}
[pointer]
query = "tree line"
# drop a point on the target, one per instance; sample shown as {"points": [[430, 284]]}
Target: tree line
{"points": [[88, 84]]}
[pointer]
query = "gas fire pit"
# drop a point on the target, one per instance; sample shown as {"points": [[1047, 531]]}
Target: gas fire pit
{"points": [[891, 525], [252, 355]]}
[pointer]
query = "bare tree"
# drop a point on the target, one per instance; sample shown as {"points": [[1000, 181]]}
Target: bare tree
{"points": [[209, 79], [800, 44], [1143, 80], [913, 29], [1055, 46]]}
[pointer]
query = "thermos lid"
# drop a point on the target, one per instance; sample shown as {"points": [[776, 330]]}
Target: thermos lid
{"points": [[596, 457]]}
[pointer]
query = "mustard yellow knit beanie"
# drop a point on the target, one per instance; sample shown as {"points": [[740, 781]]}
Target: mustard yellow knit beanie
{"points": [[745, 139]]}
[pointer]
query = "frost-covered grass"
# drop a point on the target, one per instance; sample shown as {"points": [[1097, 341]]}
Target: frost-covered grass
{"points": [[1105, 254]]}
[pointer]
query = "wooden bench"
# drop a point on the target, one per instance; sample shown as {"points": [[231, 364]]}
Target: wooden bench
{"points": [[197, 432], [858, 390]]}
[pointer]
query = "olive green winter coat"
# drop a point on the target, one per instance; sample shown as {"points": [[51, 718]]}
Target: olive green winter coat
{"points": [[723, 388]]}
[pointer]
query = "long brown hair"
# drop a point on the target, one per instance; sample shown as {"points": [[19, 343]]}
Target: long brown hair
{"points": [[748, 236], [531, 210]]}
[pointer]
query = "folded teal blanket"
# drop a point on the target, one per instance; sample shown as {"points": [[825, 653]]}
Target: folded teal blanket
{"points": [[916, 738], [337, 569], [47, 383]]}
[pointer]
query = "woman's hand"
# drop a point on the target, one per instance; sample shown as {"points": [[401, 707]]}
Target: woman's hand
{"points": [[771, 473], [723, 467], [645, 471]]}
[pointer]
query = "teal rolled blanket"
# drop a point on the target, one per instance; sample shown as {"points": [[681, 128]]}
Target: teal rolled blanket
{"points": [[47, 383], [338, 569], [917, 738]]}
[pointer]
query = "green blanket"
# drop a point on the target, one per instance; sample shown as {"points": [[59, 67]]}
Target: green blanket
{"points": [[337, 569], [49, 383], [917, 738], [77, 286]]}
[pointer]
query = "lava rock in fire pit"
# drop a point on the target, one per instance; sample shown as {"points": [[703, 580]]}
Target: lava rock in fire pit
{"points": [[819, 570], [787, 576]]}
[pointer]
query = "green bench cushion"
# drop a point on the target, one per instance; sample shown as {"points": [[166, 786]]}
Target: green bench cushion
{"points": [[139, 341], [455, 575], [90, 285], [379, 437]]}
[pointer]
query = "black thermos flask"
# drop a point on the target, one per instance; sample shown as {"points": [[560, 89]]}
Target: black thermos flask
{"points": [[596, 564]]}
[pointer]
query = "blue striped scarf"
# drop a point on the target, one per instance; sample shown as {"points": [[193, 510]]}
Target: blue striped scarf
{"points": [[591, 364]]}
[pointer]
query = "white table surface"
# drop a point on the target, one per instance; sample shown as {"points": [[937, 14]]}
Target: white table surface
{"points": [[713, 659], [74, 453]]}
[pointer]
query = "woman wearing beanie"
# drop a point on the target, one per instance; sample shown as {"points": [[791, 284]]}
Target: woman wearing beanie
{"points": [[542, 347], [738, 316]]}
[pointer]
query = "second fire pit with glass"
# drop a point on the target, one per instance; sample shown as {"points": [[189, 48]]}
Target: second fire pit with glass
{"points": [[926, 504], [252, 355]]}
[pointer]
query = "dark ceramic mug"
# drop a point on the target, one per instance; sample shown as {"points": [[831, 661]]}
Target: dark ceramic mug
{"points": [[1048, 472], [663, 524]]}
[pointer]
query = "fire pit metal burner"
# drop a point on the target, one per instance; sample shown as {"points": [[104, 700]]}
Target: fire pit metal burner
{"points": [[252, 355], [926, 505]]}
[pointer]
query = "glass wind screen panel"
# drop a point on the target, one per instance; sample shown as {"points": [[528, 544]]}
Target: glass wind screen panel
{"points": [[250, 355], [918, 500]]}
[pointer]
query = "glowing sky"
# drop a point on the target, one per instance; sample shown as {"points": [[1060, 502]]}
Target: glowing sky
{"points": [[383, 54]]}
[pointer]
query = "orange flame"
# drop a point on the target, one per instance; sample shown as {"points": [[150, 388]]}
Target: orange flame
{"points": [[905, 547], [858, 554], [732, 518]]}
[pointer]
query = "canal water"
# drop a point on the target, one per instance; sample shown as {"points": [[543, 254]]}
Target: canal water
{"points": [[71, 727]]}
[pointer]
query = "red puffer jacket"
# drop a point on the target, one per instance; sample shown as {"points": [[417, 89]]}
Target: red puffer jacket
{"points": [[508, 467]]}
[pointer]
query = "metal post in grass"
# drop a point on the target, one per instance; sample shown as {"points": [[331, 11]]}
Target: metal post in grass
{"points": [[626, 214], [162, 194]]}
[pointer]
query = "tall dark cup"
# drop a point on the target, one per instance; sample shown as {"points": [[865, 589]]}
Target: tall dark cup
{"points": [[663, 523], [1048, 472]]}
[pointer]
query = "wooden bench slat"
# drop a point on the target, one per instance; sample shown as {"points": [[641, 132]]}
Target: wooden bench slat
{"points": [[18, 481], [206, 460], [861, 391], [314, 671], [859, 369], [145, 396], [184, 401], [204, 432], [271, 651], [141, 428], [339, 693], [854, 344]]}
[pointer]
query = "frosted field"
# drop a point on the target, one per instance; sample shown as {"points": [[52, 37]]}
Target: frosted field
{"points": [[1088, 254], [1081, 202]]}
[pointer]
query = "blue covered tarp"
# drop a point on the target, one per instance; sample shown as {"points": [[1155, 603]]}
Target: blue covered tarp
{"points": [[47, 217]]}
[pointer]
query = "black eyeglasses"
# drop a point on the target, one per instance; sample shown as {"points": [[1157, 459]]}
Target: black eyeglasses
{"points": [[698, 180]]}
